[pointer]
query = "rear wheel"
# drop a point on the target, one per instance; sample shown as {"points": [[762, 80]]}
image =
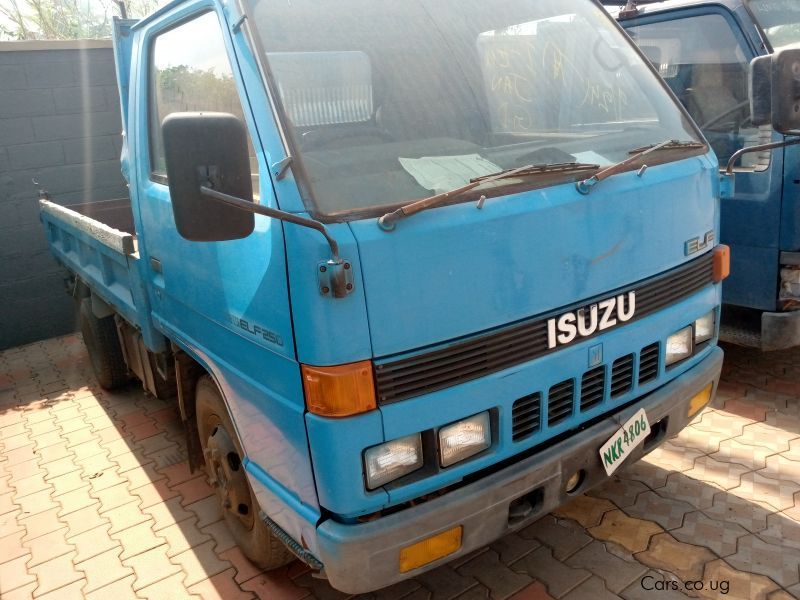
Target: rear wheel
{"points": [[223, 456], [102, 343]]}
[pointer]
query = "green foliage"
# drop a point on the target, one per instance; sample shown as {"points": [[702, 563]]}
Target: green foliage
{"points": [[64, 19]]}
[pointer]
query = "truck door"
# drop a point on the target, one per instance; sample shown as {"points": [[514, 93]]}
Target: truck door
{"points": [[228, 302], [703, 54]]}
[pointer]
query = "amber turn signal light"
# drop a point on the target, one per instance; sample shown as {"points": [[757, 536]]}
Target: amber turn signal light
{"points": [[722, 262], [340, 391]]}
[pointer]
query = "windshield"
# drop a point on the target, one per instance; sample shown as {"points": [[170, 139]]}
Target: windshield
{"points": [[780, 20], [387, 102]]}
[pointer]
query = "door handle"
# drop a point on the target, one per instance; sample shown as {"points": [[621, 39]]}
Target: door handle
{"points": [[155, 264]]}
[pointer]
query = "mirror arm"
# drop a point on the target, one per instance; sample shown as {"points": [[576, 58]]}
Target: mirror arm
{"points": [[275, 214], [773, 146]]}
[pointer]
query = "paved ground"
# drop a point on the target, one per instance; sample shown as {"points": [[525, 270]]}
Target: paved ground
{"points": [[96, 501]]}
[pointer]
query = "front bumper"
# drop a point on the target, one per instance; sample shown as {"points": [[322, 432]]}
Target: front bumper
{"points": [[363, 557]]}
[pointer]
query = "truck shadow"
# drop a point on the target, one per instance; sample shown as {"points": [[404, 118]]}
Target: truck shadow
{"points": [[725, 494]]}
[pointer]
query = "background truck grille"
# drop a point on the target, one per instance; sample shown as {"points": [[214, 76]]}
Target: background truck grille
{"points": [[450, 365], [526, 416]]}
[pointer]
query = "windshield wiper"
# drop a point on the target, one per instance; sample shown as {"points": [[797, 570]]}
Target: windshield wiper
{"points": [[387, 222], [585, 186]]}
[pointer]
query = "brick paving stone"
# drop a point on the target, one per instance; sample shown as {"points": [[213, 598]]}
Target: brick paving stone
{"points": [[9, 524], [244, 568], [155, 493], [11, 546], [768, 493], [616, 573], [684, 560], [476, 593], [54, 452], [591, 589], [703, 440], [183, 536], [586, 510], [167, 513], [48, 546], [137, 539], [715, 420], [781, 595], [779, 563], [223, 587], [221, 535], [7, 503], [21, 593], [513, 547], [169, 587], [40, 523], [141, 475], [724, 475], [782, 531], [691, 491], [321, 589], [151, 566], [743, 585], [193, 490], [178, 473], [535, 591], [764, 434], [501, 581], [554, 574], [780, 466], [156, 443], [651, 475], [563, 536], [727, 507], [632, 534], [443, 582], [122, 589], [672, 457], [742, 408], [207, 510], [718, 536], [19, 455], [129, 461], [667, 512], [90, 543], [55, 573], [749, 456], [13, 574], [622, 492], [74, 499], [794, 591], [84, 519], [36, 503]]}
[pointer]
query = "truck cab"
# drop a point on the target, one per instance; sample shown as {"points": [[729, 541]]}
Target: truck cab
{"points": [[418, 272], [703, 50]]}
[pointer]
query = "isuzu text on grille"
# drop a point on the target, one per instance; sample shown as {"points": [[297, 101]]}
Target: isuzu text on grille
{"points": [[588, 321]]}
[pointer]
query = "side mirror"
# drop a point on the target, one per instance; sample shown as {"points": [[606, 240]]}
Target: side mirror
{"points": [[775, 90], [207, 149]]}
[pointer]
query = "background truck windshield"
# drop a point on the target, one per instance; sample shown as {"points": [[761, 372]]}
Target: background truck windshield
{"points": [[387, 102], [780, 20]]}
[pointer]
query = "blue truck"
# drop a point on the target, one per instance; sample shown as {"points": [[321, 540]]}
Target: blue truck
{"points": [[416, 273], [703, 49]]}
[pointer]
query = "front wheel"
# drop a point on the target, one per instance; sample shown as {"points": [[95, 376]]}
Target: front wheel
{"points": [[223, 456]]}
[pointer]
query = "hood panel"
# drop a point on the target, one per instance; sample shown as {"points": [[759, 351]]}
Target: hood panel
{"points": [[456, 271]]}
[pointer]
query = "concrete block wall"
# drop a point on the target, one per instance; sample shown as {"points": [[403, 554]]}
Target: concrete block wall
{"points": [[60, 131]]}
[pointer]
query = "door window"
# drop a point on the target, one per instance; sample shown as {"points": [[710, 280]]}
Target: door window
{"points": [[706, 65], [190, 71]]}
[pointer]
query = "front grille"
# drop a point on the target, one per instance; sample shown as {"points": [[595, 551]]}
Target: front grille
{"points": [[622, 376], [526, 415], [593, 388], [648, 363], [479, 356], [560, 401]]}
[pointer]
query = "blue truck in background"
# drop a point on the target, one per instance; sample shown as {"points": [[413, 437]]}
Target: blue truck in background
{"points": [[415, 273], [703, 49]]}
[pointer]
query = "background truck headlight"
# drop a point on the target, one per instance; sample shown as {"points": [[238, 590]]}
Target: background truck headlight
{"points": [[679, 346], [704, 328], [464, 439], [392, 460]]}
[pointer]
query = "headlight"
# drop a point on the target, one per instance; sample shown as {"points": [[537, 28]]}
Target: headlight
{"points": [[704, 328], [392, 460], [679, 346], [464, 439]]}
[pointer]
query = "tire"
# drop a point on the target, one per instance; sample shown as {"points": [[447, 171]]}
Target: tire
{"points": [[102, 343], [223, 454]]}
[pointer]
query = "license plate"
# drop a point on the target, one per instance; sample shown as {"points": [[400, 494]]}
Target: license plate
{"points": [[630, 435]]}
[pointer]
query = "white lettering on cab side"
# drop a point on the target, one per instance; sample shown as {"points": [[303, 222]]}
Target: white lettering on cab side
{"points": [[588, 321]]}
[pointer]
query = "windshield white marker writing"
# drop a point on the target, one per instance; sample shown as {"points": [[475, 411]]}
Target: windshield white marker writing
{"points": [[587, 321]]}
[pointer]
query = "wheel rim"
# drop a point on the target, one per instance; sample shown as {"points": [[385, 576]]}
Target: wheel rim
{"points": [[227, 475]]}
